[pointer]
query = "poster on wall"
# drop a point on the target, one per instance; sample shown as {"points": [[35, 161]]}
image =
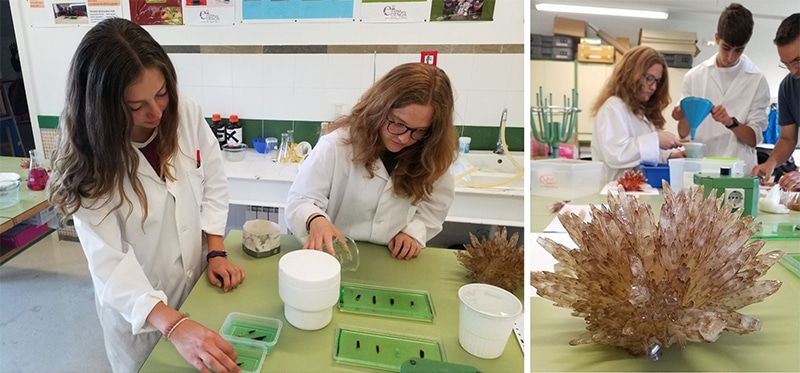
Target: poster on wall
{"points": [[296, 10], [156, 12], [379, 11], [462, 10], [72, 13], [208, 12]]}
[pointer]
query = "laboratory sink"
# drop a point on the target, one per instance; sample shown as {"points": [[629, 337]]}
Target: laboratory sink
{"points": [[484, 169]]}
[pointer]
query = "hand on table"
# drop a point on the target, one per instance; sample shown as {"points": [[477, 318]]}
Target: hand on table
{"points": [[224, 274], [203, 348], [403, 246], [321, 234]]}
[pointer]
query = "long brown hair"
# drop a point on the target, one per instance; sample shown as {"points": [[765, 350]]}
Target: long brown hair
{"points": [[94, 155], [422, 163], [626, 83]]}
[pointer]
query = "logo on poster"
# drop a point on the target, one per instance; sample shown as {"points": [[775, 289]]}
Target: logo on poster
{"points": [[208, 17], [391, 12]]}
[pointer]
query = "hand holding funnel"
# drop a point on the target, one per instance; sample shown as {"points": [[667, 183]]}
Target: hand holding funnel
{"points": [[695, 109]]}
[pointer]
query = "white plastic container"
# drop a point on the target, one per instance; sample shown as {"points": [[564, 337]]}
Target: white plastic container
{"points": [[682, 170], [486, 317], [309, 284], [565, 178]]}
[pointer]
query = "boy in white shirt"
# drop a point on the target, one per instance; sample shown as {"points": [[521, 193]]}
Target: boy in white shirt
{"points": [[736, 87]]}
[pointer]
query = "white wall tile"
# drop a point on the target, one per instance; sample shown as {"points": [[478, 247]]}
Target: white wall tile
{"points": [[278, 70], [311, 70], [196, 93], [218, 100], [217, 70], [458, 68], [248, 102], [308, 104], [277, 103], [347, 71], [516, 74], [489, 72], [344, 98], [189, 68], [246, 70]]}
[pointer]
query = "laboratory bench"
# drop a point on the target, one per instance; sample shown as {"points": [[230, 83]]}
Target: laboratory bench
{"points": [[257, 180], [30, 203], [435, 271], [774, 348]]}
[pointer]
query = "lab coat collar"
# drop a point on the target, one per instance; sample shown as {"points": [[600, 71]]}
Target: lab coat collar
{"points": [[748, 66]]}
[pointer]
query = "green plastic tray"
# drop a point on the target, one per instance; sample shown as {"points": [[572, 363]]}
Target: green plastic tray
{"points": [[259, 329], [792, 263], [416, 365], [382, 301], [380, 350], [251, 355], [778, 230]]}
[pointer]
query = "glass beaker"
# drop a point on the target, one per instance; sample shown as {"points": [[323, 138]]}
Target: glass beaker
{"points": [[37, 174], [283, 150]]}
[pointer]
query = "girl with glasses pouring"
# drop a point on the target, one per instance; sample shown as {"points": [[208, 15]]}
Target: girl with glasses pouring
{"points": [[628, 120], [381, 173]]}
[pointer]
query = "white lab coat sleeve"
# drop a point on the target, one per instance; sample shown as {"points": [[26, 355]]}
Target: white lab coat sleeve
{"points": [[311, 188], [621, 147], [214, 206], [757, 118], [119, 281], [429, 216]]}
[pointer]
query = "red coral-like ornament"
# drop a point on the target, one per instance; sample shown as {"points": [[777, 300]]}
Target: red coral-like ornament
{"points": [[632, 180]]}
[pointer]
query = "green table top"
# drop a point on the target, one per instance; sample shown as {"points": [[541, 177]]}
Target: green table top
{"points": [[28, 199], [775, 347], [436, 271]]}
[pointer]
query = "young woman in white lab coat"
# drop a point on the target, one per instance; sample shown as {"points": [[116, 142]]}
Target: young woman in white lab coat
{"points": [[382, 172], [628, 123], [140, 173], [737, 88]]}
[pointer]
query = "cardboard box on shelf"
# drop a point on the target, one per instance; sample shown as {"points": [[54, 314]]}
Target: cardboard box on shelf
{"points": [[625, 42], [567, 26], [676, 42], [595, 53]]}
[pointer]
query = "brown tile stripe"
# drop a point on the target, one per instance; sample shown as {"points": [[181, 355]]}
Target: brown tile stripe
{"points": [[347, 49]]}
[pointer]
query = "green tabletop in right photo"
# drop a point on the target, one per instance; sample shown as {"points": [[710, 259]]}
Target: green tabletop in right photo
{"points": [[664, 223]]}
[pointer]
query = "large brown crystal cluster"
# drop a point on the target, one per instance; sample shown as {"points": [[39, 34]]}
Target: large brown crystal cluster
{"points": [[497, 262], [644, 286]]}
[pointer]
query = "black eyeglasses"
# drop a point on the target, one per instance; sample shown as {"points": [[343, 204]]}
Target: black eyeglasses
{"points": [[649, 79], [395, 128], [793, 64]]}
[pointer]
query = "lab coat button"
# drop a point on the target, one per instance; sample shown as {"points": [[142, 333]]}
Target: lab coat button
{"points": [[189, 274]]}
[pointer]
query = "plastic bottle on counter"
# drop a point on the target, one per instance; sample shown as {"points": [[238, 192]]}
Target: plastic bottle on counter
{"points": [[233, 134], [218, 128]]}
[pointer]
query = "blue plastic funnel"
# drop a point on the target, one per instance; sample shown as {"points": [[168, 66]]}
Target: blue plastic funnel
{"points": [[695, 109]]}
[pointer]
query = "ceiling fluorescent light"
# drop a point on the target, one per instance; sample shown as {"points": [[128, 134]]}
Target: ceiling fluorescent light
{"points": [[546, 7]]}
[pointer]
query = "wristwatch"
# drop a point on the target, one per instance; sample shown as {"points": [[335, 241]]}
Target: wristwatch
{"points": [[734, 124]]}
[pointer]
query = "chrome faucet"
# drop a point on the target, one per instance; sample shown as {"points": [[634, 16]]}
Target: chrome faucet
{"points": [[499, 148]]}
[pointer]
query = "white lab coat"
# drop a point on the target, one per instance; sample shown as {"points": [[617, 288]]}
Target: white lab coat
{"points": [[133, 268], [747, 99], [623, 140], [363, 208]]}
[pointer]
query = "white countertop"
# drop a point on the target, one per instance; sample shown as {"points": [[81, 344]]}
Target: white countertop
{"points": [[259, 181]]}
